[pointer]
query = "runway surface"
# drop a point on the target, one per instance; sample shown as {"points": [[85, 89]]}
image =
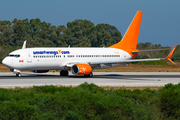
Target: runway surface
{"points": [[9, 80]]}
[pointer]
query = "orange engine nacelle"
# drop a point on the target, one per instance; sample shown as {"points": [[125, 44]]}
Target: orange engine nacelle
{"points": [[39, 71], [81, 69]]}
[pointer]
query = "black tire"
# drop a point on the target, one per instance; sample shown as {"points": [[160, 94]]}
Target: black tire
{"points": [[90, 75], [18, 74], [64, 73]]}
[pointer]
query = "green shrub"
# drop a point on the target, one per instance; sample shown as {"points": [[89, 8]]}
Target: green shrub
{"points": [[88, 101], [70, 115], [170, 100]]}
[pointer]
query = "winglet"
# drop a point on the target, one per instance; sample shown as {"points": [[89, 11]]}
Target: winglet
{"points": [[24, 45], [170, 54]]}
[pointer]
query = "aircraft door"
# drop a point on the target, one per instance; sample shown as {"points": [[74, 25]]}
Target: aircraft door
{"points": [[29, 57]]}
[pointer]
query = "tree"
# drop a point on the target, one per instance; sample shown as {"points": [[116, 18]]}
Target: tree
{"points": [[81, 32], [107, 35], [35, 27], [19, 32], [176, 55], [5, 32]]}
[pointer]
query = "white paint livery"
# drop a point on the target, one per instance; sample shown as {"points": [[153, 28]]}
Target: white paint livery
{"points": [[63, 61], [80, 61]]}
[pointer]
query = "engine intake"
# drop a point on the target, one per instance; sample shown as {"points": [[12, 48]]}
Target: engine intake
{"points": [[81, 69]]}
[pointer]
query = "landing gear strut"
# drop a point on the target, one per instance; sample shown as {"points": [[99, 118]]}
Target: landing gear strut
{"points": [[64, 73]]}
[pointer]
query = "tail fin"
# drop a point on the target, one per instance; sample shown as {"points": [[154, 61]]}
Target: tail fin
{"points": [[129, 41]]}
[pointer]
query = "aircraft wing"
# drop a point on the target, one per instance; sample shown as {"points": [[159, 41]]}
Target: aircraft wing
{"points": [[126, 61], [138, 60], [139, 51], [69, 65]]}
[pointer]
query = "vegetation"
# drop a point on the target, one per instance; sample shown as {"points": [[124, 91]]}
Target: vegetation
{"points": [[78, 33], [176, 55], [88, 101], [152, 63]]}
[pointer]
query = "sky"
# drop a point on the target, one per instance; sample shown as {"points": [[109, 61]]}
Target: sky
{"points": [[160, 21]]}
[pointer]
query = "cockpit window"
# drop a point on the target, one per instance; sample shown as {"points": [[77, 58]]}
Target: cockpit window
{"points": [[12, 55], [17, 55]]}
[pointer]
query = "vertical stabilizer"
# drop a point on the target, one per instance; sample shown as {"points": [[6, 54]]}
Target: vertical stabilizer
{"points": [[129, 41]]}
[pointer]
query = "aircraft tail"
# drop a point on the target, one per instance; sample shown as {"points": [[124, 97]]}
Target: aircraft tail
{"points": [[129, 41]]}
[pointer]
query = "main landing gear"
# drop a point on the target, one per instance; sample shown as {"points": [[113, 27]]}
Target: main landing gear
{"points": [[90, 75], [64, 73]]}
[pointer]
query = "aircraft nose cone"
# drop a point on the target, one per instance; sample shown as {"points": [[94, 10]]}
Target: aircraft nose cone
{"points": [[5, 62]]}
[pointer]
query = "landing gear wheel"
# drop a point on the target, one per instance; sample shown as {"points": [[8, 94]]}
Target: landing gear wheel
{"points": [[18, 74], [90, 75], [64, 73]]}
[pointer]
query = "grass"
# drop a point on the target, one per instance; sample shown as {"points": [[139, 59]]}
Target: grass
{"points": [[3, 68], [159, 62], [103, 87]]}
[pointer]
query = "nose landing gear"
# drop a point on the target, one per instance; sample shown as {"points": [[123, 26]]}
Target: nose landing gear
{"points": [[17, 72]]}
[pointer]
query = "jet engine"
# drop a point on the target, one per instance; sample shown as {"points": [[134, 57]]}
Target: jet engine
{"points": [[39, 71], [81, 69]]}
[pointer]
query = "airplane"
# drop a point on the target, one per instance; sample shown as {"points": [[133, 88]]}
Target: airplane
{"points": [[81, 61]]}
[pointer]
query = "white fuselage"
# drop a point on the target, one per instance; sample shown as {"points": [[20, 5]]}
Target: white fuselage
{"points": [[60, 58]]}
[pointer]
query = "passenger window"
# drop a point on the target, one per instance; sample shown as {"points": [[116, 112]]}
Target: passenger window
{"points": [[11, 55]]}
